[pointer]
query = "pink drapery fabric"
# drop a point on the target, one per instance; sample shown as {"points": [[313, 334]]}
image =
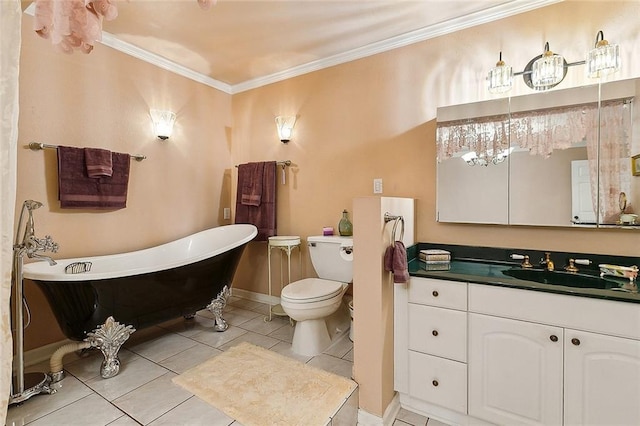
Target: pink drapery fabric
{"points": [[77, 24]]}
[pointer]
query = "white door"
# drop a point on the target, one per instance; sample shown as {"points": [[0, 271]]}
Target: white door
{"points": [[602, 380], [582, 210], [515, 371]]}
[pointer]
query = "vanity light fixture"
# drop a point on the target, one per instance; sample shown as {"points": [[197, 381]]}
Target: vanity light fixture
{"points": [[549, 69], [604, 58], [162, 123], [285, 127], [500, 77]]}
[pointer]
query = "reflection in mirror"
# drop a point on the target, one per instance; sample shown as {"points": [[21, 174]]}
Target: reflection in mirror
{"points": [[550, 179], [617, 148], [472, 170], [562, 169]]}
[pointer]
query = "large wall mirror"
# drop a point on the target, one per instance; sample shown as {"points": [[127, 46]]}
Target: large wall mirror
{"points": [[559, 158]]}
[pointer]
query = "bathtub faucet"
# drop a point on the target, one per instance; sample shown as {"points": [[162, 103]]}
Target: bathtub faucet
{"points": [[30, 244]]}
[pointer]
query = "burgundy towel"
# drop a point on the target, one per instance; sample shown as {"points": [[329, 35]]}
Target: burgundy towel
{"points": [[262, 216], [395, 260], [76, 190], [98, 162], [252, 183]]}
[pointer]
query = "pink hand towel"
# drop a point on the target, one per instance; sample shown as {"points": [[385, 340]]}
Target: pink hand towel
{"points": [[395, 260], [98, 162]]}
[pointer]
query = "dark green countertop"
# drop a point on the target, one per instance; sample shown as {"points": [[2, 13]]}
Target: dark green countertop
{"points": [[490, 272]]}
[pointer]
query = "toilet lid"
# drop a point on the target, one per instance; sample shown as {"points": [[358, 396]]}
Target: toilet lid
{"points": [[311, 290]]}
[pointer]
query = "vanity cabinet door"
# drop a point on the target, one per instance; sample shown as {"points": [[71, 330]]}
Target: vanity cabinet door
{"points": [[515, 371], [602, 379]]}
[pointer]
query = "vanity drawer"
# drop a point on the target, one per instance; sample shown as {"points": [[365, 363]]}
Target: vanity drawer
{"points": [[438, 381], [442, 293], [438, 331]]}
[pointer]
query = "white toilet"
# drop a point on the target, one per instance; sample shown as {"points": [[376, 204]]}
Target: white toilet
{"points": [[311, 300]]}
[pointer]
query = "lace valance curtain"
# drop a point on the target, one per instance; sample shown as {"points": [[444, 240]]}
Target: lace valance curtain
{"points": [[483, 134]]}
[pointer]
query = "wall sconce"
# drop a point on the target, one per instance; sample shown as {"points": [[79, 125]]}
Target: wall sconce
{"points": [[549, 69], [285, 127], [162, 123]]}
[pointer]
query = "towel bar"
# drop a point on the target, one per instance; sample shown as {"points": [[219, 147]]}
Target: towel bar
{"points": [[35, 146]]}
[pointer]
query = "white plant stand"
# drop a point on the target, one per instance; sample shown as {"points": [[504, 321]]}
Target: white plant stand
{"points": [[286, 244]]}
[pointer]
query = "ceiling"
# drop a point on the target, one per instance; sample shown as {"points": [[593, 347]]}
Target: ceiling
{"points": [[237, 45]]}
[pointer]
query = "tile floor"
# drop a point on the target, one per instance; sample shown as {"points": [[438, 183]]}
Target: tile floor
{"points": [[143, 394]]}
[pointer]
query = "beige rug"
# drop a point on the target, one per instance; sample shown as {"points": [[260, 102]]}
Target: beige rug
{"points": [[258, 387]]}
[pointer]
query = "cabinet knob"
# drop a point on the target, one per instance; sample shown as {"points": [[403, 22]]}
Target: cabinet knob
{"points": [[435, 293], [575, 341], [553, 338], [435, 383], [434, 332]]}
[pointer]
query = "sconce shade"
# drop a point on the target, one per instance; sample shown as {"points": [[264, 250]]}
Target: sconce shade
{"points": [[285, 127], [162, 123], [604, 59], [548, 70], [500, 77]]}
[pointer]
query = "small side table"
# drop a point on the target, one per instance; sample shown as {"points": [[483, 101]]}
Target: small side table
{"points": [[286, 244]]}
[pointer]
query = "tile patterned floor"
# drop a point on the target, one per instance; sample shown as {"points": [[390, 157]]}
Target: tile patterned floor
{"points": [[143, 394]]}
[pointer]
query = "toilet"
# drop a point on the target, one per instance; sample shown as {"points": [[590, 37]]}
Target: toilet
{"points": [[311, 300]]}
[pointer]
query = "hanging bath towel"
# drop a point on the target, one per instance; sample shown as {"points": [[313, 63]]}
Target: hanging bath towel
{"points": [[257, 188], [76, 190]]}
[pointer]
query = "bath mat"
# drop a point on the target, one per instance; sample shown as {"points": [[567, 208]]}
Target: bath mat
{"points": [[259, 387]]}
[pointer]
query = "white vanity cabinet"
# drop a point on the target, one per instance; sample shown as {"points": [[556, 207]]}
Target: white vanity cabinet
{"points": [[505, 356], [539, 358]]}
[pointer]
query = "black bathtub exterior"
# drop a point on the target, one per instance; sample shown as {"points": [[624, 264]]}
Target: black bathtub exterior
{"points": [[140, 300]]}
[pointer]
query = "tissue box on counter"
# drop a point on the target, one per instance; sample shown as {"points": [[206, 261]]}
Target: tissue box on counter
{"points": [[435, 256]]}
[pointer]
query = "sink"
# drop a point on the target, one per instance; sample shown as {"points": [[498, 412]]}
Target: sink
{"points": [[562, 278]]}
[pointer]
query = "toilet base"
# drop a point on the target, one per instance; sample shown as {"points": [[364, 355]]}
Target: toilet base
{"points": [[311, 337]]}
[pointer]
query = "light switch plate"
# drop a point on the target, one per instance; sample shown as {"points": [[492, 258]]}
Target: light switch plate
{"points": [[377, 186]]}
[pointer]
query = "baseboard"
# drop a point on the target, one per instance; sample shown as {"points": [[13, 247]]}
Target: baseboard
{"points": [[43, 353], [256, 297], [389, 416]]}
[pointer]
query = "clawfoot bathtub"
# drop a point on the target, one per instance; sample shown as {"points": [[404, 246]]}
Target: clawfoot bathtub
{"points": [[103, 299]]}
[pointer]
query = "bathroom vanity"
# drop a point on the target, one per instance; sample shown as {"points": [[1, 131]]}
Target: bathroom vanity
{"points": [[473, 346]]}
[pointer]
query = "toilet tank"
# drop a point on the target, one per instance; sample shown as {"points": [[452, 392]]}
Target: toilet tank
{"points": [[332, 257]]}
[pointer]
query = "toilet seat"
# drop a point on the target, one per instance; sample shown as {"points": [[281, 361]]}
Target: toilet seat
{"points": [[311, 290]]}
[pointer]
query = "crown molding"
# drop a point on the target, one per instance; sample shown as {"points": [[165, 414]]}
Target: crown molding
{"points": [[112, 41], [504, 10]]}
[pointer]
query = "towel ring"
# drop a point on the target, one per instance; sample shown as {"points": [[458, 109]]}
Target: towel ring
{"points": [[399, 219]]}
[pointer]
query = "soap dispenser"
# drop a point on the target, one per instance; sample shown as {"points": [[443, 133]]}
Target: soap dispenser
{"points": [[345, 228]]}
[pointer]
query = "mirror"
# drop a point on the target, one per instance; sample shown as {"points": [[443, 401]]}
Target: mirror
{"points": [[559, 167]]}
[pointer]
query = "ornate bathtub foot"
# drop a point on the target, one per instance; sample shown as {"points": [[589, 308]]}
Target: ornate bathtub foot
{"points": [[108, 338], [216, 307]]}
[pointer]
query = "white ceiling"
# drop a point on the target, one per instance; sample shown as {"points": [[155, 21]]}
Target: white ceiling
{"points": [[237, 45]]}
